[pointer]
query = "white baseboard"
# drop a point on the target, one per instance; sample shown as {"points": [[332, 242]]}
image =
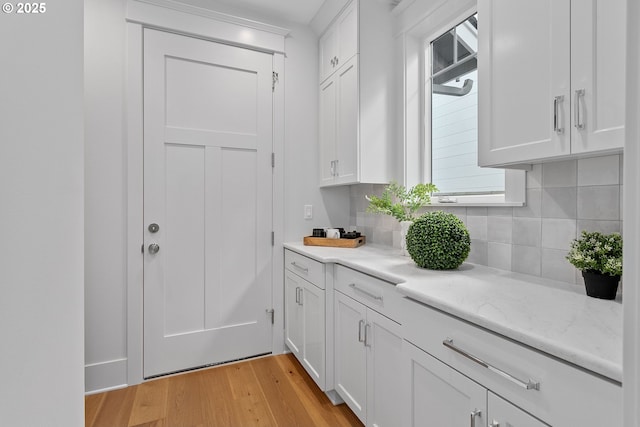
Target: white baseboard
{"points": [[105, 376]]}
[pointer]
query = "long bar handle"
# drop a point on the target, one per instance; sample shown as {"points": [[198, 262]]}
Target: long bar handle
{"points": [[367, 329], [529, 385], [556, 119], [300, 300], [302, 268], [372, 295], [298, 295], [360, 325], [475, 413], [576, 112]]}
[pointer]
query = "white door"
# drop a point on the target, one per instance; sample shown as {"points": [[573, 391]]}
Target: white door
{"points": [[597, 74], [293, 320], [440, 395], [328, 119], [524, 61], [208, 187], [350, 353], [312, 301], [347, 123], [384, 383]]}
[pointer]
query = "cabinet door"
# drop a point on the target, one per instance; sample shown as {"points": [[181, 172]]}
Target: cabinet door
{"points": [[504, 414], [328, 46], [350, 356], [384, 382], [293, 314], [524, 80], [347, 123], [313, 357], [597, 74], [439, 395], [327, 132], [347, 40]]}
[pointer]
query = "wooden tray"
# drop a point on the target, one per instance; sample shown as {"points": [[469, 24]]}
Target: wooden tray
{"points": [[336, 243]]}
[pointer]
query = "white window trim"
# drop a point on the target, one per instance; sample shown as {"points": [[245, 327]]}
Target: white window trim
{"points": [[415, 134]]}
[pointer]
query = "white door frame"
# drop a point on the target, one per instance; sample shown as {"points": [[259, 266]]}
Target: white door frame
{"points": [[194, 22]]}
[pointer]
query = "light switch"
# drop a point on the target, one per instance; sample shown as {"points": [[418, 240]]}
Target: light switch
{"points": [[308, 211]]}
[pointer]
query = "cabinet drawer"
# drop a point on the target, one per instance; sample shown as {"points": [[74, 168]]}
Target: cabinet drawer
{"points": [[564, 390], [377, 294], [305, 267]]}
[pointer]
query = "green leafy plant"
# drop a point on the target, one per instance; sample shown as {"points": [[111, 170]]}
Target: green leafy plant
{"points": [[401, 203], [439, 241], [598, 252]]}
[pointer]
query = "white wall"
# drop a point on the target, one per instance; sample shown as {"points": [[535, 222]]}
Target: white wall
{"points": [[105, 184], [41, 217], [105, 231], [331, 205]]}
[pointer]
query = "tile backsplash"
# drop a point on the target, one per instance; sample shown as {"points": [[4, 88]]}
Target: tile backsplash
{"points": [[562, 199]]}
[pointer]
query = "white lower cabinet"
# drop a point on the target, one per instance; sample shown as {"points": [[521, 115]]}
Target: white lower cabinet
{"points": [[305, 325], [526, 387], [441, 396], [503, 414], [368, 350]]}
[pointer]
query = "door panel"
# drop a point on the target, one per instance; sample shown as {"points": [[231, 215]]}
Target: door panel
{"points": [[350, 353], [440, 395], [208, 185]]}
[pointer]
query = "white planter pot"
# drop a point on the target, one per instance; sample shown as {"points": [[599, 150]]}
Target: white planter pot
{"points": [[404, 227]]}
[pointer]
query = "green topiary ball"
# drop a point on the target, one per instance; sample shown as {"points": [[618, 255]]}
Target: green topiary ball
{"points": [[439, 241]]}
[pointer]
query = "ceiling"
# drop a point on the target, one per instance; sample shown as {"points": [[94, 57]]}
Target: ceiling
{"points": [[297, 11]]}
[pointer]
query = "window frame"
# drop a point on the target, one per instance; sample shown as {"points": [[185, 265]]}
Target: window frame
{"points": [[416, 134]]}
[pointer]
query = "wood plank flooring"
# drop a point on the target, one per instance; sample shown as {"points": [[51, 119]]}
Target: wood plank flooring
{"points": [[269, 391]]}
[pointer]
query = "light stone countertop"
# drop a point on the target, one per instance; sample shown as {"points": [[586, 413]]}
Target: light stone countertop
{"points": [[554, 317]]}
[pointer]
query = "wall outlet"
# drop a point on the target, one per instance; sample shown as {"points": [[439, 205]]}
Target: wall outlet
{"points": [[308, 211]]}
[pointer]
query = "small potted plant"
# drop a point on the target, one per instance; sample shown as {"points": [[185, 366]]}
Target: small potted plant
{"points": [[438, 241], [402, 204], [599, 257]]}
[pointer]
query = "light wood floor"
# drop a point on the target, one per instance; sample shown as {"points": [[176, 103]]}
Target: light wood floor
{"points": [[269, 391]]}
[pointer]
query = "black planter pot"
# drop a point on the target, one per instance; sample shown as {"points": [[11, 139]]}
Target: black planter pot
{"points": [[600, 285]]}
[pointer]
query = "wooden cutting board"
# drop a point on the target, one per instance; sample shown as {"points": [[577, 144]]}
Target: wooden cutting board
{"points": [[336, 243]]}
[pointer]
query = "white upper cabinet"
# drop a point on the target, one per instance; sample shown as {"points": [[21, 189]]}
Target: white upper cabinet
{"points": [[357, 113], [551, 79], [339, 42]]}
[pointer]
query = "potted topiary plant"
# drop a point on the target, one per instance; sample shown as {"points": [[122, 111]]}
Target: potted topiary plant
{"points": [[402, 204], [599, 257], [439, 241]]}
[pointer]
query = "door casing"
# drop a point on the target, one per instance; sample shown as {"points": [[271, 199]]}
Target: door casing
{"points": [[181, 23]]}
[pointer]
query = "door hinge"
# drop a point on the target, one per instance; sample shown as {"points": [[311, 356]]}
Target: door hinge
{"points": [[274, 80], [272, 313], [273, 160], [273, 238]]}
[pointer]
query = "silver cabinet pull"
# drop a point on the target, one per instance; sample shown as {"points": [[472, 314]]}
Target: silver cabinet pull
{"points": [[494, 423], [301, 297], [298, 295], [360, 324], [529, 385], [336, 60], [332, 168], [356, 288], [475, 413], [302, 268], [556, 116], [367, 329], [578, 123]]}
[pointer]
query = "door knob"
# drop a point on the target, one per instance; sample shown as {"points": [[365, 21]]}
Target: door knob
{"points": [[154, 248]]}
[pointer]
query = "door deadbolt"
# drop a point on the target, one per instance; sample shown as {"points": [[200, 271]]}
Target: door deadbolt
{"points": [[154, 227], [154, 248]]}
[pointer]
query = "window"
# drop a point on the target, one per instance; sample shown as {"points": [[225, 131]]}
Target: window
{"points": [[451, 118]]}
